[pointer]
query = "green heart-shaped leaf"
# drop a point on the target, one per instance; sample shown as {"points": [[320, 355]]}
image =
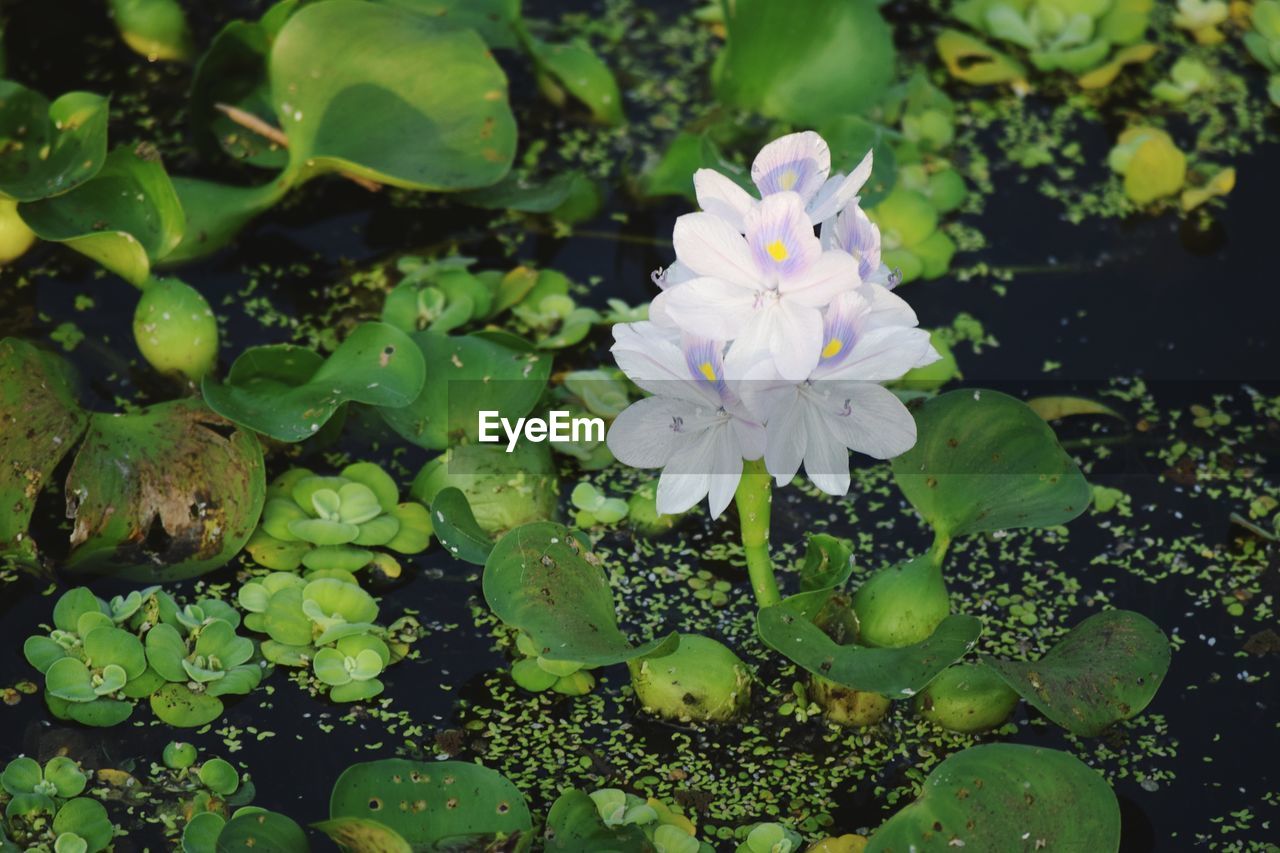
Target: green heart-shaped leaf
{"points": [[289, 392], [894, 672], [48, 149], [456, 527], [985, 461], [126, 217], [469, 374], [215, 213], [262, 830], [178, 460], [351, 81], [1005, 796], [71, 680], [836, 58], [574, 824], [1105, 669], [542, 580], [38, 386], [455, 801], [86, 818]]}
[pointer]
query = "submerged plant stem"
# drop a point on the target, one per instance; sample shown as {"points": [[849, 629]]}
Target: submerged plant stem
{"points": [[754, 495]]}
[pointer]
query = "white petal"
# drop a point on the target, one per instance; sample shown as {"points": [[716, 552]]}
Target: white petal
{"points": [[826, 459], [709, 246], [652, 357], [797, 162], [672, 275], [832, 273], [721, 197], [838, 192], [726, 473], [869, 419], [748, 349], [881, 355], [886, 307], [795, 339], [786, 439], [749, 434], [709, 307], [679, 493], [641, 436]]}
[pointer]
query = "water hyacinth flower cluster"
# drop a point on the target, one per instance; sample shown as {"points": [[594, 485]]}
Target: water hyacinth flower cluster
{"points": [[769, 343], [43, 809], [335, 522], [326, 623]]}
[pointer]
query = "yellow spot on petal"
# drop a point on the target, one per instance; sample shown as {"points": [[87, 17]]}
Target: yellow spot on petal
{"points": [[777, 250], [788, 179], [832, 348], [708, 371]]}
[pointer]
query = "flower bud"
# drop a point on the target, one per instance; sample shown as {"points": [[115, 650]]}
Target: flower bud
{"points": [[701, 680], [175, 329]]}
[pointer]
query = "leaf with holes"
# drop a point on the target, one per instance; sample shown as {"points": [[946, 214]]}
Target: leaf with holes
{"points": [[894, 672], [1004, 796], [289, 392], [985, 461], [169, 492], [126, 217], [47, 149], [1106, 669], [429, 804], [541, 579], [41, 422]]}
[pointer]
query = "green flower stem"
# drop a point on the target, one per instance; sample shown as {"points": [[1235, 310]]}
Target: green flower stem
{"points": [[754, 495]]}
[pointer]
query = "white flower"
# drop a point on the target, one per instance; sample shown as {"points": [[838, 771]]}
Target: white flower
{"points": [[799, 163], [694, 427], [868, 338], [764, 291]]}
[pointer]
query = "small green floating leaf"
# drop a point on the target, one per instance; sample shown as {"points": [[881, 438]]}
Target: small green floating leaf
{"points": [[1106, 669], [894, 672], [541, 579], [259, 831], [48, 149], [576, 69], [1005, 796], [1054, 408], [429, 805], [126, 217], [574, 824], [456, 527], [974, 61], [354, 833], [156, 29], [176, 705], [45, 422], [986, 461], [289, 392]]}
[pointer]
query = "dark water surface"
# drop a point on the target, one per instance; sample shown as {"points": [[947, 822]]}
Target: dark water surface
{"points": [[1193, 314]]}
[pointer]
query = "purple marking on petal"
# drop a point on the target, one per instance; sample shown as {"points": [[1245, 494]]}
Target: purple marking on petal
{"points": [[775, 231], [704, 358], [839, 330], [788, 177], [860, 237]]}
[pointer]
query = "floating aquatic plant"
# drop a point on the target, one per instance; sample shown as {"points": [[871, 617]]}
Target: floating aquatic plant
{"points": [[337, 522], [44, 810]]}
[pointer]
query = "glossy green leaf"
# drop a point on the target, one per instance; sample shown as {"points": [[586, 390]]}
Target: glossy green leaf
{"points": [[1005, 796], [176, 705], [542, 580], [47, 149], [200, 835], [88, 819], [126, 217], [576, 70], [574, 824], [258, 831], [1106, 669], [672, 173], [43, 423], [456, 527], [431, 805], [351, 81], [495, 20], [828, 562], [156, 29], [894, 672], [215, 213], [289, 392], [986, 461], [836, 58], [203, 491], [512, 193], [468, 374]]}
